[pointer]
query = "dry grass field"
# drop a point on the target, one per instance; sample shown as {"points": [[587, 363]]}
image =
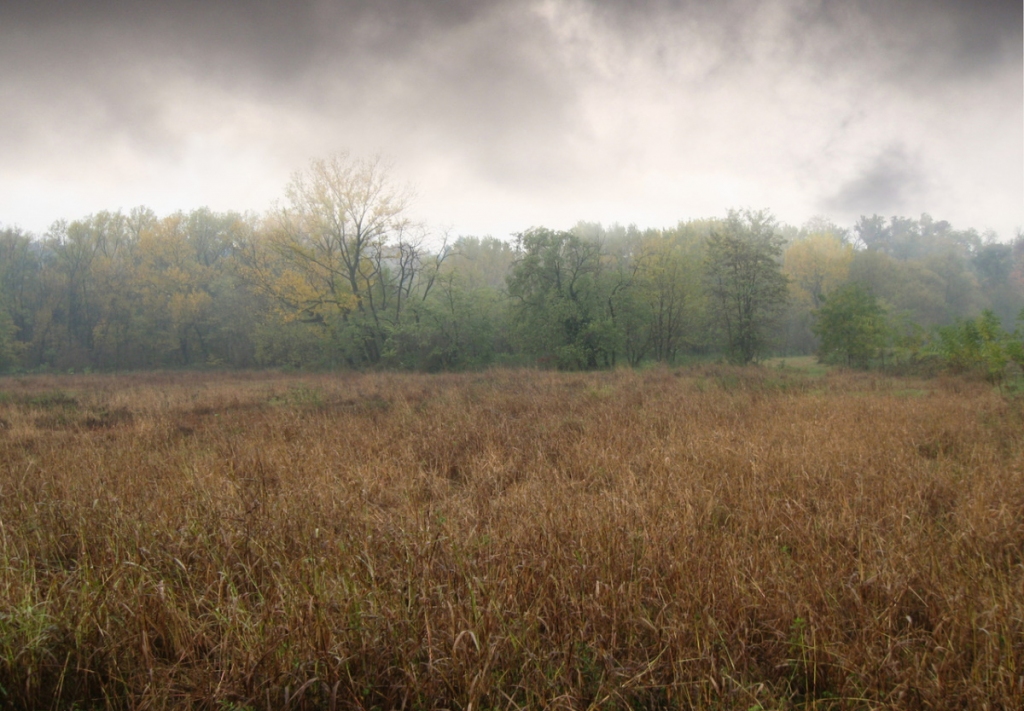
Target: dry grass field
{"points": [[711, 538]]}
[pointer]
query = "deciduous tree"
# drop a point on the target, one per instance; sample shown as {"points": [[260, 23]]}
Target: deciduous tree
{"points": [[557, 300], [815, 266], [333, 236], [745, 282], [851, 325]]}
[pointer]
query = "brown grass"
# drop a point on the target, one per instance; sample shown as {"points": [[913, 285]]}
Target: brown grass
{"points": [[714, 538]]}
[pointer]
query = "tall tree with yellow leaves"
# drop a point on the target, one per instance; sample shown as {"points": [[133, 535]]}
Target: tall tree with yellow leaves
{"points": [[341, 234]]}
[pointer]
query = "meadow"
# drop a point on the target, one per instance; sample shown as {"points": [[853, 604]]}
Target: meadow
{"points": [[709, 538]]}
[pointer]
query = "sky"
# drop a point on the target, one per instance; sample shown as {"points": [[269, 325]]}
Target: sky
{"points": [[507, 114]]}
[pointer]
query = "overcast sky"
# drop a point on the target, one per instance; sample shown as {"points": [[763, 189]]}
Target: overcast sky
{"points": [[508, 114]]}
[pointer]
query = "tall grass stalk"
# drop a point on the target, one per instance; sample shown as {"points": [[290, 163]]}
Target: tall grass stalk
{"points": [[712, 538]]}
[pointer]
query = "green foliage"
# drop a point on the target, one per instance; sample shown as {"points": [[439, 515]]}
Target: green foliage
{"points": [[8, 334], [292, 344], [340, 277], [980, 345], [663, 310], [456, 327], [851, 326], [1015, 345], [557, 294], [745, 282]]}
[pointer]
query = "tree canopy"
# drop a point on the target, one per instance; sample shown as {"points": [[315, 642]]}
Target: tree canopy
{"points": [[851, 325], [341, 275], [746, 285]]}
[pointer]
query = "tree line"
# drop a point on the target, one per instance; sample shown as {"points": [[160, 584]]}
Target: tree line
{"points": [[341, 276]]}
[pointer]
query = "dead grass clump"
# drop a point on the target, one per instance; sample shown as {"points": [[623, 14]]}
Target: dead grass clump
{"points": [[706, 538]]}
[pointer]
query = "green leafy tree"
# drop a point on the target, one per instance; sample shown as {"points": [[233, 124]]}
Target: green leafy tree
{"points": [[458, 316], [745, 283], [557, 300], [979, 345], [851, 325], [1015, 348], [455, 327], [8, 335], [660, 311], [20, 291], [816, 262]]}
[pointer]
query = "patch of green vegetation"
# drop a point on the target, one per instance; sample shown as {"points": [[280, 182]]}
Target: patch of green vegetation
{"points": [[28, 635], [299, 396], [787, 382], [600, 392], [806, 365], [727, 381], [1014, 388]]}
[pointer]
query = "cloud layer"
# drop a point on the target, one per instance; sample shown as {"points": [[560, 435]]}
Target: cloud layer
{"points": [[507, 114]]}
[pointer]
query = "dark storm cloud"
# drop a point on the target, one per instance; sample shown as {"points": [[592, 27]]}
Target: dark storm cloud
{"points": [[270, 38], [252, 44], [111, 59], [232, 40], [889, 183], [914, 39], [904, 39]]}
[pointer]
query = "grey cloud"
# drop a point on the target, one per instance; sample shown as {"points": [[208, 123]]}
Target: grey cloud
{"points": [[504, 90], [910, 40], [270, 39], [253, 45], [312, 54], [248, 41], [948, 35], [890, 182]]}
